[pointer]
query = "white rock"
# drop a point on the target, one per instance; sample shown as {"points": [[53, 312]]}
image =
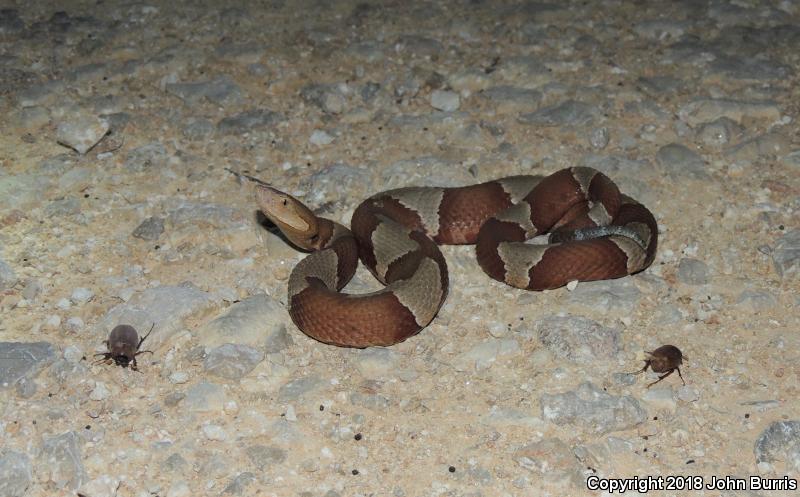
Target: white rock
{"points": [[81, 295], [214, 432], [446, 101], [52, 322], [82, 132], [319, 138], [73, 354], [100, 391], [179, 377], [74, 324]]}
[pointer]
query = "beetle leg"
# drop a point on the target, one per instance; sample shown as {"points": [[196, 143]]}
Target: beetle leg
{"points": [[147, 335], [646, 365], [661, 377], [679, 374]]}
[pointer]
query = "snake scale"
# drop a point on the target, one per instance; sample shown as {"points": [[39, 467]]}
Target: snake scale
{"points": [[595, 233]]}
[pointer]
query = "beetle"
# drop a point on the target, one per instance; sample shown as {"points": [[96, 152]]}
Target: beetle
{"points": [[665, 359], [123, 346]]}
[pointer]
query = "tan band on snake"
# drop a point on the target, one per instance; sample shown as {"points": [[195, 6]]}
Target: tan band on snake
{"points": [[596, 233]]}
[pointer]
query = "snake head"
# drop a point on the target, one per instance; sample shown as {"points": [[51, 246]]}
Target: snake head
{"points": [[292, 217]]}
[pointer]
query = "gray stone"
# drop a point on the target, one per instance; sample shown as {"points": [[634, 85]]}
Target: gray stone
{"points": [[326, 97], [81, 295], [598, 138], [512, 99], [569, 113], [221, 91], [719, 132], [188, 215], [661, 29], [620, 294], [264, 456], [377, 363], [692, 271], [60, 461], [792, 158], [749, 68], [232, 361], [419, 46], [255, 321], [591, 409], [660, 398], [428, 170], [578, 339], [205, 397], [152, 156], [82, 132], [767, 146], [149, 229], [22, 190], [320, 138], [20, 360], [786, 255], [446, 101], [296, 389], [10, 22], [679, 162], [174, 463], [484, 354], [780, 441], [31, 289], [249, 121], [198, 129], [32, 118], [16, 473], [708, 109], [661, 85], [371, 401], [63, 207], [756, 300], [327, 184], [239, 484], [8, 277]]}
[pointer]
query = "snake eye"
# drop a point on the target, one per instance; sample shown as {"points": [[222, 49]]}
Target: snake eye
{"points": [[284, 201]]}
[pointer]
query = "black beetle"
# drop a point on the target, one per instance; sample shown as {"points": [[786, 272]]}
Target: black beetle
{"points": [[123, 346]]}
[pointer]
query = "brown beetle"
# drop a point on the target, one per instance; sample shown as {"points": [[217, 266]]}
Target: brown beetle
{"points": [[665, 359], [123, 346]]}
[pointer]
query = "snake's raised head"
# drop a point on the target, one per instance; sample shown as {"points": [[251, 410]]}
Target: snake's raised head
{"points": [[292, 217]]}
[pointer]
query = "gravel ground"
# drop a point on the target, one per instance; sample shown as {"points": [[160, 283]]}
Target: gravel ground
{"points": [[119, 119]]}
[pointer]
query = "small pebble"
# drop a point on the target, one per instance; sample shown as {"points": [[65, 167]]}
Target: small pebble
{"points": [[179, 377], [52, 322], [82, 133], [74, 324], [599, 138], [319, 138], [73, 354], [100, 391], [446, 101], [214, 432], [81, 295]]}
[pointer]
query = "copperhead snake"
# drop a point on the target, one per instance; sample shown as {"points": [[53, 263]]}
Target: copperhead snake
{"points": [[595, 233]]}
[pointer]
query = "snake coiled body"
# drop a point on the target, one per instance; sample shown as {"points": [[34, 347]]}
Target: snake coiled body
{"points": [[596, 233]]}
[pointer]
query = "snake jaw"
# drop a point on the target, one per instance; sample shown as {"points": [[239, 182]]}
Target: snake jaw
{"points": [[291, 216]]}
